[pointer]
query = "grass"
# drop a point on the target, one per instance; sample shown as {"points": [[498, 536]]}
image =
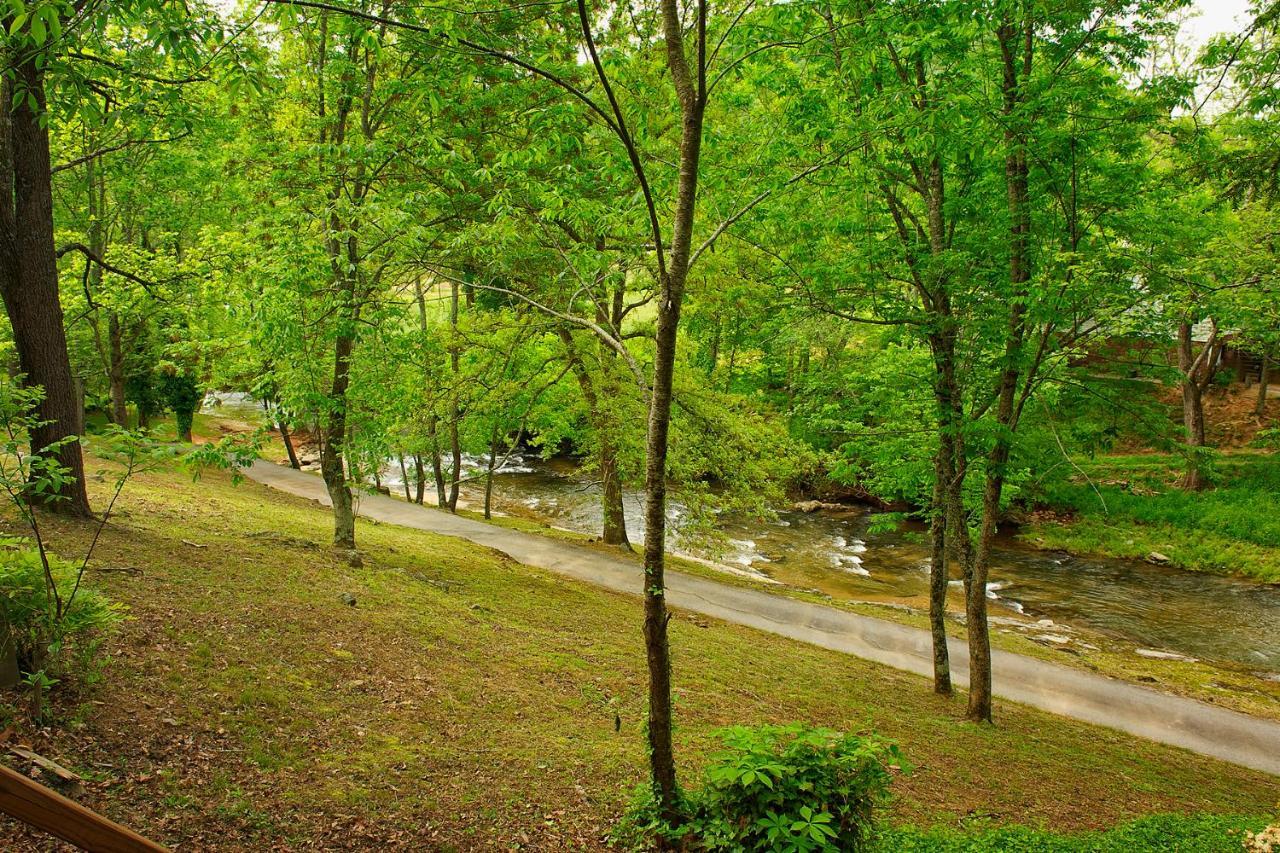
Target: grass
{"points": [[468, 702], [1168, 833], [1231, 529]]}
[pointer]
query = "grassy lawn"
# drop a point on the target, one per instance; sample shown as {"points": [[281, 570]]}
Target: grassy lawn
{"points": [[468, 702], [1233, 528]]}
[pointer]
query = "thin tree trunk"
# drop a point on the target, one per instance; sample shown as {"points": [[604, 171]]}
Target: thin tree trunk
{"points": [[615, 514], [615, 523], [1194, 480], [713, 356], [437, 470], [938, 574], [488, 474], [1016, 180], [29, 277], [95, 192], [115, 343], [692, 96], [433, 436], [1195, 370], [950, 422], [404, 476], [420, 479], [331, 449], [288, 444], [1264, 376], [455, 445]]}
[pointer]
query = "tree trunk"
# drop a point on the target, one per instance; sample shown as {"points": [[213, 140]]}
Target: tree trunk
{"points": [[938, 574], [331, 450], [615, 515], [288, 445], [1264, 376], [404, 476], [115, 344], [658, 652], [615, 523], [433, 436], [29, 278], [420, 479], [9, 674], [488, 474], [455, 415], [1196, 374], [692, 98], [1017, 185], [437, 472], [1194, 479]]}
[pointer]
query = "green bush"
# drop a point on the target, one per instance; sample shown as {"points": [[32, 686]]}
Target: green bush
{"points": [[43, 640], [787, 788]]}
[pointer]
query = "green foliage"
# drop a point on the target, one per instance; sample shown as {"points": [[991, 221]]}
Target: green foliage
{"points": [[44, 639], [1245, 506], [1153, 834], [181, 394], [1129, 506], [50, 619], [230, 453], [791, 788]]}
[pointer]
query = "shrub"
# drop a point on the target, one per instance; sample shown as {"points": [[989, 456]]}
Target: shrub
{"points": [[44, 609], [27, 611], [789, 788], [48, 626]]}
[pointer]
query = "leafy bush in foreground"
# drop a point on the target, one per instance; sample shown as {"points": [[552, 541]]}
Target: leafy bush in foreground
{"points": [[787, 788], [48, 620]]}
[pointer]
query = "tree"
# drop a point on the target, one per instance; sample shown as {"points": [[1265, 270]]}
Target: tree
{"points": [[49, 45]]}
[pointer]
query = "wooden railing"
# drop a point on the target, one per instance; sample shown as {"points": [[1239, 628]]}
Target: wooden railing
{"points": [[36, 805]]}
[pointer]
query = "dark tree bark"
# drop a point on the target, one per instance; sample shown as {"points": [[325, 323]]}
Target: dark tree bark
{"points": [[344, 261], [1016, 52], [614, 526], [420, 479], [404, 477], [691, 90], [455, 412], [1264, 376], [938, 573], [112, 353], [1197, 369], [29, 277], [437, 465], [433, 434], [333, 445], [489, 468], [294, 463], [950, 421], [947, 528], [115, 374]]}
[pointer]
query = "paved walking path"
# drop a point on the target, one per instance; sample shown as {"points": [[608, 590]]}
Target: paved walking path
{"points": [[1074, 693]]}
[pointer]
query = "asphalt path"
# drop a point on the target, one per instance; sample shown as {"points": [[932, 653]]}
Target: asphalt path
{"points": [[1075, 693]]}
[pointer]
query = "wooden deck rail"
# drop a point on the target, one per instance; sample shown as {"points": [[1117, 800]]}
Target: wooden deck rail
{"points": [[36, 805]]}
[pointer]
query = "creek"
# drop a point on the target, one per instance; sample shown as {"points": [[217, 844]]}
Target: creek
{"points": [[1162, 610]]}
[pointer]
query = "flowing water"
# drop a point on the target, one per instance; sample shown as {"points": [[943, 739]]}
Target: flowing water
{"points": [[1157, 608]]}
